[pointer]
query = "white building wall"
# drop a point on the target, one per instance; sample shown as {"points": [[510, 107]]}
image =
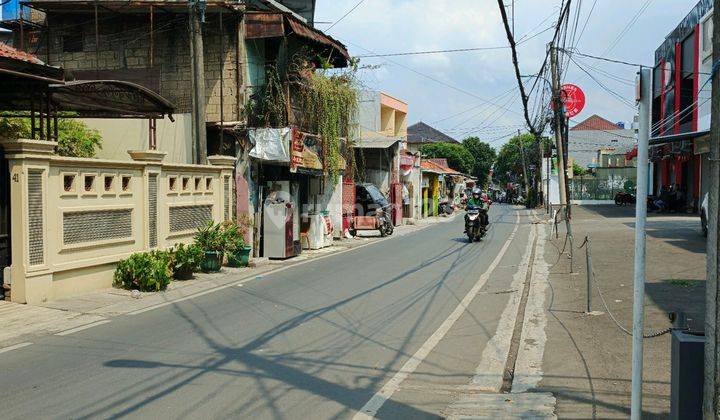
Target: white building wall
{"points": [[121, 135]]}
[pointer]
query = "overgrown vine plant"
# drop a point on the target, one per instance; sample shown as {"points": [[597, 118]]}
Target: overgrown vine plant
{"points": [[331, 104]]}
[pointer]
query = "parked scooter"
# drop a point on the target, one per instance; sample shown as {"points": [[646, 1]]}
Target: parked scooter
{"points": [[622, 198]]}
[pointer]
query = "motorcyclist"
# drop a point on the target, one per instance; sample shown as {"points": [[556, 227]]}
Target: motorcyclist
{"points": [[480, 200]]}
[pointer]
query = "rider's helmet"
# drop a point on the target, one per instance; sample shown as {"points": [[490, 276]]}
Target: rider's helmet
{"points": [[476, 193]]}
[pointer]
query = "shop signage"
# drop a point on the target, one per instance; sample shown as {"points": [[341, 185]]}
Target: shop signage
{"points": [[312, 152], [573, 99], [296, 150], [407, 162]]}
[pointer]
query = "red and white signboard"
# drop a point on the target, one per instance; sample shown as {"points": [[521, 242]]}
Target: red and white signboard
{"points": [[573, 98]]}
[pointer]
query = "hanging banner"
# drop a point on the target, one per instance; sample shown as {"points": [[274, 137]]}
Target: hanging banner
{"points": [[297, 147], [270, 144]]}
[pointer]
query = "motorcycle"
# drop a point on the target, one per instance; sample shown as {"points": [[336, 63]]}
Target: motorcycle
{"points": [[474, 228], [622, 198], [376, 211]]}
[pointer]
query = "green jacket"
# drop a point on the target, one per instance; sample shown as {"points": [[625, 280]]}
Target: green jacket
{"points": [[477, 203]]}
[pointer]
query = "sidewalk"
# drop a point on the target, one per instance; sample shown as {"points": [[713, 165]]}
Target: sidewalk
{"points": [[587, 359], [23, 322]]}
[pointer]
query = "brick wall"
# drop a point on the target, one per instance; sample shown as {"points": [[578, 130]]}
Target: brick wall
{"points": [[124, 53]]}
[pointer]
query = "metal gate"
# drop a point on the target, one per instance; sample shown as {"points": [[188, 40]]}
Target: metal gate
{"points": [[4, 217]]}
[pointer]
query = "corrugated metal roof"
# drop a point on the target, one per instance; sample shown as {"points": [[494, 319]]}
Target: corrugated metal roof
{"points": [[375, 142]]}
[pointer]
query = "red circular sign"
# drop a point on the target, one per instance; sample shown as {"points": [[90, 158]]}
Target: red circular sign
{"points": [[573, 98]]}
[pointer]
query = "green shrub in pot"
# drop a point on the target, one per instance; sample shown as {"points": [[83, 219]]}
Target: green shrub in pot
{"points": [[144, 271], [211, 240], [185, 260], [235, 249]]}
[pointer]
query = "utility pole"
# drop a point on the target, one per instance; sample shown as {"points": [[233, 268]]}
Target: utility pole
{"points": [[524, 168], [711, 390], [196, 15], [640, 217], [559, 119]]}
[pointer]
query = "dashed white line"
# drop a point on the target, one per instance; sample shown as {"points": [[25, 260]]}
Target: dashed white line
{"points": [[14, 347], [370, 409], [83, 327]]}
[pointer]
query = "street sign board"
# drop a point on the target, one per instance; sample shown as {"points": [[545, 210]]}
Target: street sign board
{"points": [[573, 98]]}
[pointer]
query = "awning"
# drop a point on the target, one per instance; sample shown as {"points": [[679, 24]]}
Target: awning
{"points": [[109, 99], [656, 141], [340, 54], [276, 24], [375, 142]]}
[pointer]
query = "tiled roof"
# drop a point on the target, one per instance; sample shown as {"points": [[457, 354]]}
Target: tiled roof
{"points": [[439, 161], [423, 133], [595, 122], [7, 51], [430, 166]]}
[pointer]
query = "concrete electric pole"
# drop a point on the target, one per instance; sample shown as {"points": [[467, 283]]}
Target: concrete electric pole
{"points": [[711, 397], [196, 15], [558, 124], [526, 180], [640, 217]]}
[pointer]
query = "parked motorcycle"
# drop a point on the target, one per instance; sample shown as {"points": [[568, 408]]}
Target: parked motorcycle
{"points": [[445, 207], [376, 211], [622, 198], [474, 227]]}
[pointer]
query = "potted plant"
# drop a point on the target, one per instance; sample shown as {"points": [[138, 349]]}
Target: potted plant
{"points": [[144, 271], [185, 260], [238, 253], [210, 240]]}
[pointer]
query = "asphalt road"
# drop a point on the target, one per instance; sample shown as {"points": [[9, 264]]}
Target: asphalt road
{"points": [[313, 341]]}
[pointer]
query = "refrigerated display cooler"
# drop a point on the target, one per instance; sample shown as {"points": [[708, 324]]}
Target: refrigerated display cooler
{"points": [[278, 230]]}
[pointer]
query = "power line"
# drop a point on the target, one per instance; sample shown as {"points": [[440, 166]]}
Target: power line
{"points": [[627, 27], [399, 54], [344, 16], [610, 60], [582, 31], [453, 50], [612, 92], [448, 85]]}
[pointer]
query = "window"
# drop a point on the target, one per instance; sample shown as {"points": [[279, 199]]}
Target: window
{"points": [[69, 183], [707, 36], [72, 40]]}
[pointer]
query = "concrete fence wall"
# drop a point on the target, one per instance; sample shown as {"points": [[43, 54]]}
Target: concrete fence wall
{"points": [[73, 219]]}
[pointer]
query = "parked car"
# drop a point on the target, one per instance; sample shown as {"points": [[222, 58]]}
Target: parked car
{"points": [[703, 215]]}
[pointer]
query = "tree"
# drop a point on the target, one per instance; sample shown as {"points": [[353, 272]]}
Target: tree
{"points": [[578, 170], [508, 166], [75, 139], [483, 158], [458, 157]]}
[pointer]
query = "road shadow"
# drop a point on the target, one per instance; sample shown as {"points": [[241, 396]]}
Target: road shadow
{"points": [[297, 370], [680, 295]]}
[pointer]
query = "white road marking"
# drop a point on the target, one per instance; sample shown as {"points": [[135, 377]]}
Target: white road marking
{"points": [[172, 302], [371, 408], [83, 327], [528, 367], [490, 370], [14, 347]]}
